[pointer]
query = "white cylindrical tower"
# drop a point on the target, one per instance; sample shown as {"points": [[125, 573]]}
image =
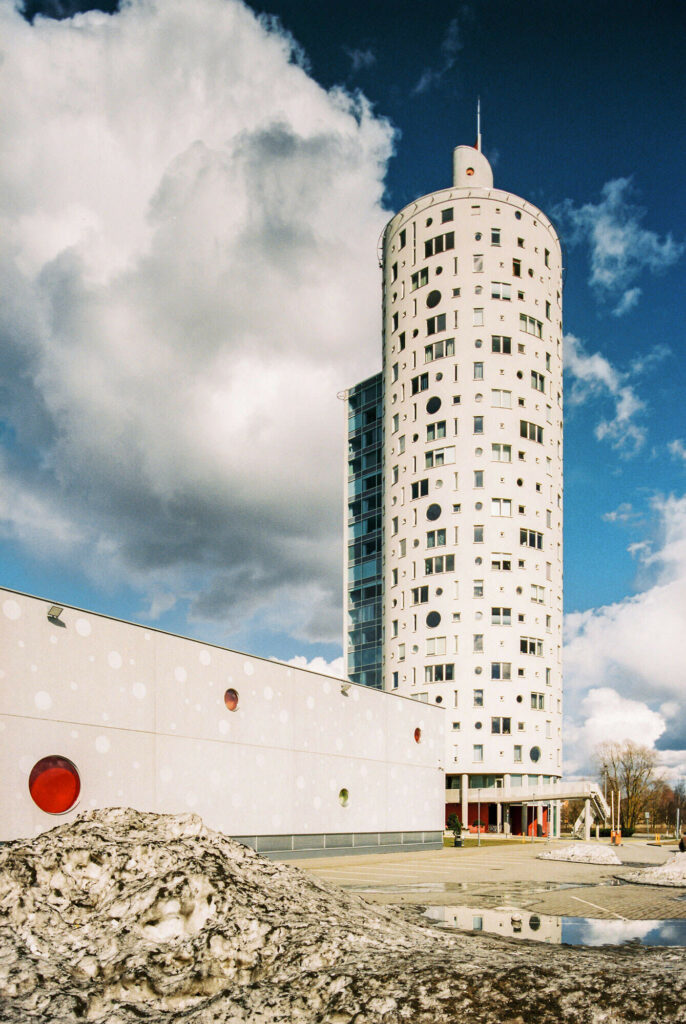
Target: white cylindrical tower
{"points": [[473, 475]]}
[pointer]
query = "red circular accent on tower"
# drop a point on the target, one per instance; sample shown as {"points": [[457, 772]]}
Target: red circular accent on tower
{"points": [[231, 699], [54, 784], [417, 735], [470, 171]]}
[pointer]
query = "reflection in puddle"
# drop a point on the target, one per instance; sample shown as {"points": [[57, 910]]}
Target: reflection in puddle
{"points": [[573, 931]]}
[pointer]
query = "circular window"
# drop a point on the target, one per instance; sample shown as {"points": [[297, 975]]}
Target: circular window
{"points": [[343, 797], [534, 923], [395, 602], [415, 543], [433, 512], [478, 236], [439, 591], [535, 753], [518, 215], [478, 560], [478, 505], [477, 725], [478, 451], [415, 649], [520, 482], [478, 290], [439, 376], [429, 222], [54, 784], [531, 273], [470, 171], [478, 397], [439, 270], [519, 698], [478, 616], [478, 343], [439, 700], [433, 298], [433, 405], [231, 699], [433, 619], [415, 332], [478, 670], [418, 735], [518, 590], [439, 483], [519, 374]]}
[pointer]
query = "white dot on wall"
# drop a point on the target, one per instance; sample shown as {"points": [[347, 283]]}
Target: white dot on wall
{"points": [[42, 700], [268, 693], [166, 774], [83, 627], [74, 734], [204, 657], [139, 690], [283, 716], [34, 668], [223, 727], [136, 765], [102, 744], [180, 674], [92, 803], [91, 657], [53, 639], [300, 782], [114, 659], [248, 668], [317, 803], [105, 716], [22, 644], [110, 774], [132, 661], [11, 609], [310, 702]]}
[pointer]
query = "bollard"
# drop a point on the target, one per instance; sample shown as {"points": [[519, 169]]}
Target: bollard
{"points": [[657, 838]]}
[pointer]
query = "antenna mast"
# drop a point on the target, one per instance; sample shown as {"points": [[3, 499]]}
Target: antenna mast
{"points": [[478, 123]]}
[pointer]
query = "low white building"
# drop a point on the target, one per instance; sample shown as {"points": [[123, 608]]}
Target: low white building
{"points": [[97, 712]]}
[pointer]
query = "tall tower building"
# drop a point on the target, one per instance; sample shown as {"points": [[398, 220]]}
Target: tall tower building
{"points": [[470, 397]]}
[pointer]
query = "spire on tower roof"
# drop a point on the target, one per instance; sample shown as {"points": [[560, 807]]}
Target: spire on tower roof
{"points": [[478, 124]]}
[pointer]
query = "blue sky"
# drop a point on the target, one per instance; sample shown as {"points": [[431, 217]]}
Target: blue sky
{"points": [[188, 190]]}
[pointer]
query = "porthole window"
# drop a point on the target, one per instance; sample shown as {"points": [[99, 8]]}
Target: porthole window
{"points": [[518, 590], [477, 725], [54, 784], [478, 670], [433, 512], [439, 699], [520, 482], [231, 699], [433, 619], [531, 273], [535, 753], [478, 290], [478, 560], [478, 505], [470, 172], [439, 483], [478, 451], [415, 332], [519, 374], [418, 735], [433, 405], [478, 397], [429, 221], [415, 543], [439, 376], [433, 298], [534, 923], [415, 649], [478, 343], [477, 236], [439, 591], [518, 215], [439, 270], [343, 797], [478, 616], [519, 698]]}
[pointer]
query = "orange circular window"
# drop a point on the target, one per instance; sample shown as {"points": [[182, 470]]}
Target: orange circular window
{"points": [[231, 699], [417, 735], [54, 784], [470, 171]]}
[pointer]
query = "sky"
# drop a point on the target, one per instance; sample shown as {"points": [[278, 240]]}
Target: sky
{"points": [[191, 198]]}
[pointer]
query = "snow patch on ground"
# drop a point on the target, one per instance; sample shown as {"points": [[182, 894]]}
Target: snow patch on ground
{"points": [[582, 853], [672, 873]]}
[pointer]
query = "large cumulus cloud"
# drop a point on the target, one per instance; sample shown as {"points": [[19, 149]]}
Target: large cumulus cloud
{"points": [[189, 227]]}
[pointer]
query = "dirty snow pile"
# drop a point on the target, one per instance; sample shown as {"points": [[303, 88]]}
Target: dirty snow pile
{"points": [[122, 917], [672, 873], [582, 853]]}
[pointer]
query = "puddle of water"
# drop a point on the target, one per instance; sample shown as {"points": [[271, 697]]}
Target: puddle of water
{"points": [[417, 887], [572, 931]]}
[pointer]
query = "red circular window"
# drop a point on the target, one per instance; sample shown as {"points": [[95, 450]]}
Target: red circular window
{"points": [[231, 699], [417, 734], [470, 171], [54, 784]]}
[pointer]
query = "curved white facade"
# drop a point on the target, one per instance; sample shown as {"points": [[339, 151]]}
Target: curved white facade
{"points": [[472, 369]]}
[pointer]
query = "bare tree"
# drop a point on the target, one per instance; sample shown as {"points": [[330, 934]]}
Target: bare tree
{"points": [[630, 770]]}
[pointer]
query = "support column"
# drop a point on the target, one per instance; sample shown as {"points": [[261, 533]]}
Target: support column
{"points": [[465, 799], [587, 819], [539, 816], [499, 819]]}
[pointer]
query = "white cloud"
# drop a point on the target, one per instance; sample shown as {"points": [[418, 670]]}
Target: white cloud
{"points": [[594, 377], [361, 59], [620, 249], [451, 44], [624, 513], [334, 668], [677, 449], [189, 228], [624, 662]]}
